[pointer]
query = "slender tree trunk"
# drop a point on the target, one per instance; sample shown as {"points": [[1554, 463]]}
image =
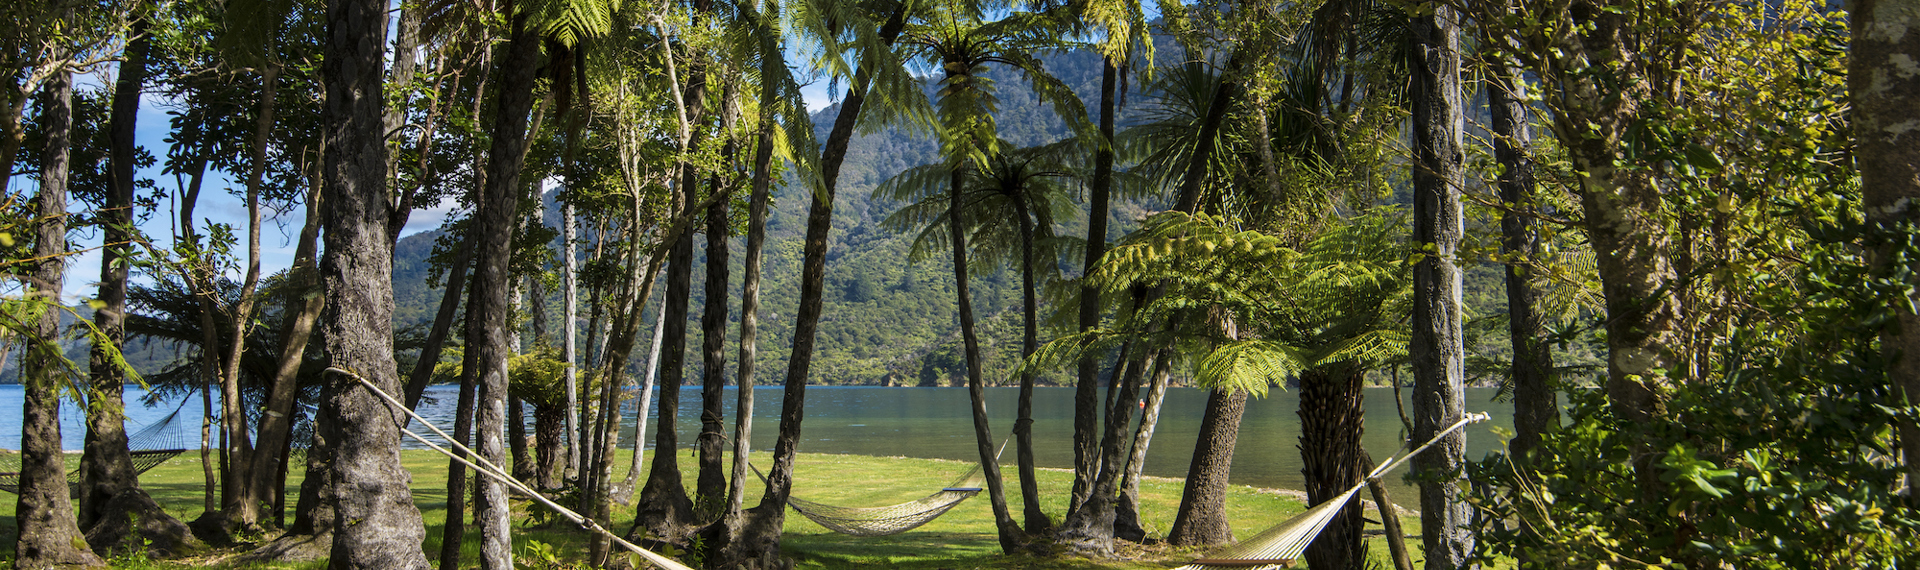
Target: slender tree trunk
{"points": [[1086, 451], [49, 536], [1389, 518], [1036, 520], [486, 329], [1202, 518], [302, 311], [711, 484], [106, 470], [453, 533], [436, 343], [759, 539], [1885, 94], [1126, 509], [664, 508], [1090, 529], [647, 382], [1332, 420], [1436, 351], [376, 525], [570, 280], [1535, 406], [240, 508], [750, 311], [1011, 538]]}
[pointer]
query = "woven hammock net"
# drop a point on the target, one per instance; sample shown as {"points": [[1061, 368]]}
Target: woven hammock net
{"points": [[893, 519], [1282, 545], [148, 448]]}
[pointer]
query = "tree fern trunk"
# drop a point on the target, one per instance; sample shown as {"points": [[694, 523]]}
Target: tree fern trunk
{"points": [[1332, 420]]}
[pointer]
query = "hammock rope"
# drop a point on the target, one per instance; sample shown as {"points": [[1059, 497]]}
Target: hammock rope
{"points": [[481, 466], [889, 520], [1281, 545], [150, 447]]}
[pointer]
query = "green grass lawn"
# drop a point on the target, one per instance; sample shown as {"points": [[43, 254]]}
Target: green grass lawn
{"points": [[963, 538]]}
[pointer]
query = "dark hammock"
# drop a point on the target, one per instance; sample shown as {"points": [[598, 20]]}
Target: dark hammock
{"points": [[152, 445]]}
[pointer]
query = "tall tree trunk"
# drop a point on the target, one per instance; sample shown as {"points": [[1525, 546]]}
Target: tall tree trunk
{"points": [[1090, 529], [49, 535], [106, 470], [240, 508], [375, 522], [1886, 95], [436, 343], [453, 533], [759, 538], [1036, 520], [750, 310], [1126, 508], [1332, 420], [570, 281], [1437, 350], [486, 328], [1011, 538], [1202, 517], [711, 485], [1086, 450], [1536, 408], [664, 508], [301, 312], [647, 382]]}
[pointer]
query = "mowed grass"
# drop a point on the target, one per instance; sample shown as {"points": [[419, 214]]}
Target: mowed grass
{"points": [[964, 538]]}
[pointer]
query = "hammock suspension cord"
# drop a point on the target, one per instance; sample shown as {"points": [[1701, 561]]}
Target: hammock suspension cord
{"points": [[488, 469], [1281, 545]]}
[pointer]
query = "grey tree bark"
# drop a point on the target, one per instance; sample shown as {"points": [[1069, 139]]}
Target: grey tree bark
{"points": [[49, 535], [486, 329], [710, 487], [1086, 388], [106, 469], [758, 540], [1886, 100], [375, 524], [1126, 508], [1202, 518], [1535, 406], [1436, 350], [1011, 537]]}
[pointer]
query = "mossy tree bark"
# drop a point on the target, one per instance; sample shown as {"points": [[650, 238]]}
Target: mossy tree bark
{"points": [[49, 535], [1885, 91], [1535, 406], [375, 523], [106, 469], [1437, 350], [486, 330]]}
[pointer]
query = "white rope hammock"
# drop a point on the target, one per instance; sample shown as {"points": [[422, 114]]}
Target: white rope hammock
{"points": [[1281, 545], [488, 469], [892, 519]]}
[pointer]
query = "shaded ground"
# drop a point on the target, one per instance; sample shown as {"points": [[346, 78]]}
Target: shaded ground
{"points": [[963, 538]]}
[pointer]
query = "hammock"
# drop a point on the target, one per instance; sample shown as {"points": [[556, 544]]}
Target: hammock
{"points": [[1281, 545], [154, 444], [892, 519]]}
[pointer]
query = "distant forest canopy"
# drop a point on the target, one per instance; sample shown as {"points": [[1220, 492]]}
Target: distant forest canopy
{"points": [[886, 322]]}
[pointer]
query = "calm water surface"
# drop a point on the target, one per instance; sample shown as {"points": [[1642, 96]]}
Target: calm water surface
{"points": [[930, 423]]}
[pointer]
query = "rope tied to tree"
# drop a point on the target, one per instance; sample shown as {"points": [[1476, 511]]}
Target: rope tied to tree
{"points": [[482, 466]]}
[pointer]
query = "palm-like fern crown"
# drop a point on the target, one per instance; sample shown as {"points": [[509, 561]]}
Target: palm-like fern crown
{"points": [[1258, 310]]}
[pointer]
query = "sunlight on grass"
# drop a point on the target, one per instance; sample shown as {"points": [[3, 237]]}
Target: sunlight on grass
{"points": [[963, 538]]}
